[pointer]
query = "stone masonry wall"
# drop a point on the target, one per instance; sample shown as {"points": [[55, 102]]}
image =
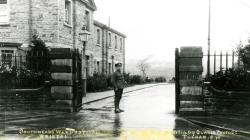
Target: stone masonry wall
{"points": [[44, 15], [17, 31], [46, 18], [226, 102], [109, 51]]}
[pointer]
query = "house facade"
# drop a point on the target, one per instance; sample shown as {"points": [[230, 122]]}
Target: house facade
{"points": [[58, 23]]}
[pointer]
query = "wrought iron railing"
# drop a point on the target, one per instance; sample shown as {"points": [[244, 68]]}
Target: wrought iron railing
{"points": [[219, 65], [24, 71]]}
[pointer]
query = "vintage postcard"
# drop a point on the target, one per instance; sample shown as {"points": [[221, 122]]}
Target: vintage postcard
{"points": [[124, 70]]}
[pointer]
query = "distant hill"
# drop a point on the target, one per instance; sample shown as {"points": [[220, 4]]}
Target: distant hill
{"points": [[157, 68]]}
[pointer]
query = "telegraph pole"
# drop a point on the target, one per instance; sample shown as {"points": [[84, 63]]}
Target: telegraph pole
{"points": [[209, 39], [109, 22]]}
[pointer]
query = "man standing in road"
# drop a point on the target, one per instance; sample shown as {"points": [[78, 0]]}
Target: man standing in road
{"points": [[118, 83]]}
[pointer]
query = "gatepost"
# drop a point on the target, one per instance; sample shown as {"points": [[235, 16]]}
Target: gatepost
{"points": [[189, 64], [64, 66]]}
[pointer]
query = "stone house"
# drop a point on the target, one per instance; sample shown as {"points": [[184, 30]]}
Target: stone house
{"points": [[58, 23]]}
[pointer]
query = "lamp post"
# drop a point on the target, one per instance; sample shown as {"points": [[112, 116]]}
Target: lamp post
{"points": [[209, 39], [84, 37]]}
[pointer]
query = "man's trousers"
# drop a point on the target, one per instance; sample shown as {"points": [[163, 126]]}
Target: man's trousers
{"points": [[118, 96]]}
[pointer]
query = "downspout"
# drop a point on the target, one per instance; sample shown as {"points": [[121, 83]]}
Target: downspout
{"points": [[107, 49], [58, 23], [30, 22], [74, 24], [103, 51]]}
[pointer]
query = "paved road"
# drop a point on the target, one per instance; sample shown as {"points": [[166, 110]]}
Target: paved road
{"points": [[149, 115]]}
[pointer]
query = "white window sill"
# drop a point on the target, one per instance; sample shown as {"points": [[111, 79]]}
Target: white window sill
{"points": [[67, 25], [4, 23]]}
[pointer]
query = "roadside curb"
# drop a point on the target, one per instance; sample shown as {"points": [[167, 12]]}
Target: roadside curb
{"points": [[33, 117], [123, 93], [212, 126]]}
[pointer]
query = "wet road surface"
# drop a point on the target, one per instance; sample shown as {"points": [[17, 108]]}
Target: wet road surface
{"points": [[149, 115]]}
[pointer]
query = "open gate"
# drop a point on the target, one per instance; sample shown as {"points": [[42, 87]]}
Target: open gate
{"points": [[78, 88]]}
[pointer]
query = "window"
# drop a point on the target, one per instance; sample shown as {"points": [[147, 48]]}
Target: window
{"points": [[68, 12], [98, 66], [109, 68], [87, 65], [109, 40], [7, 57], [87, 19], [113, 63], [115, 42], [121, 44], [4, 12], [98, 37]]}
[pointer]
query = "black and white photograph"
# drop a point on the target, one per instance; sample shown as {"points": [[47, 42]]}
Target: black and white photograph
{"points": [[124, 70]]}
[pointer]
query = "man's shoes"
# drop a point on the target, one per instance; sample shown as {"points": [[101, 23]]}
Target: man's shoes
{"points": [[121, 110], [117, 111]]}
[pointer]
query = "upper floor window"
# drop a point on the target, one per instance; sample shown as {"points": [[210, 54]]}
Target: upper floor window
{"points": [[115, 42], [4, 12], [109, 40], [98, 36], [68, 12], [87, 20], [121, 44]]}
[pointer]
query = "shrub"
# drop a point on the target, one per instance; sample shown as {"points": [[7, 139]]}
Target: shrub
{"points": [[127, 77], [136, 79], [244, 54], [38, 56], [97, 82], [160, 79], [21, 77], [149, 80], [101, 82], [232, 79], [7, 76]]}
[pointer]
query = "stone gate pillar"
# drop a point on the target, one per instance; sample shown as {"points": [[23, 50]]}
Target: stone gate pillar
{"points": [[62, 76], [190, 76]]}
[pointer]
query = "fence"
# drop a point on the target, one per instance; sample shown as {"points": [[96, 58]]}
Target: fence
{"points": [[23, 71], [228, 58]]}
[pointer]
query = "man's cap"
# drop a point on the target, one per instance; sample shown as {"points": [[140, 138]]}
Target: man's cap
{"points": [[118, 65]]}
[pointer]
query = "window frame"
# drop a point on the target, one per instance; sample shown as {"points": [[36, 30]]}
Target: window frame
{"points": [[4, 61], [70, 22], [7, 15], [116, 43], [98, 32], [110, 40], [121, 44], [98, 66], [87, 19]]}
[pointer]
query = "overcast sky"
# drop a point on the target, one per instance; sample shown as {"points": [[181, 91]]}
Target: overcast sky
{"points": [[156, 27]]}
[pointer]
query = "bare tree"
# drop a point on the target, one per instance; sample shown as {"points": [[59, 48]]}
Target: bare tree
{"points": [[143, 65]]}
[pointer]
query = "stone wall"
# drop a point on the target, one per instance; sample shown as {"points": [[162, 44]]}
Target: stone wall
{"points": [[220, 102], [36, 99], [18, 28]]}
